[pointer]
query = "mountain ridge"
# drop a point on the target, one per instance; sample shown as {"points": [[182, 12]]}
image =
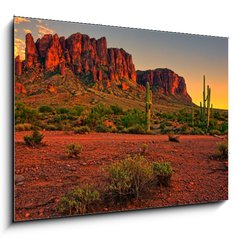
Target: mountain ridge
{"points": [[95, 64]]}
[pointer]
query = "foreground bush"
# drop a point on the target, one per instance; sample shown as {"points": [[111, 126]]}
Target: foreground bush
{"points": [[223, 149], [78, 201], [82, 130], [34, 139], [73, 150], [143, 148], [163, 172], [129, 178]]}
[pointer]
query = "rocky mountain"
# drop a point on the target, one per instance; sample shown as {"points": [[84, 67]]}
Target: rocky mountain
{"points": [[165, 81], [90, 59], [80, 53]]}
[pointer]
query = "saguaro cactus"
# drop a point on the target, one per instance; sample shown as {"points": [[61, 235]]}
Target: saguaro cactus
{"points": [[204, 96], [206, 105], [148, 106]]}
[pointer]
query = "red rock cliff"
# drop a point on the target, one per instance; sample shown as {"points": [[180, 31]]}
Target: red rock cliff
{"points": [[165, 80], [82, 54]]}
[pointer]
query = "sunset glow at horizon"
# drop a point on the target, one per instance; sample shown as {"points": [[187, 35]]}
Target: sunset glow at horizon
{"points": [[190, 56]]}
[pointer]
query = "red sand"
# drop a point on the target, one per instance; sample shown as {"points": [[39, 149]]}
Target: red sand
{"points": [[47, 173]]}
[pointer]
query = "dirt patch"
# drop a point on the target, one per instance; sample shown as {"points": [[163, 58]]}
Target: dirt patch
{"points": [[46, 173]]}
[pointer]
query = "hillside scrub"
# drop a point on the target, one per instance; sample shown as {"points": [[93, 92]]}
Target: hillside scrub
{"points": [[130, 121]]}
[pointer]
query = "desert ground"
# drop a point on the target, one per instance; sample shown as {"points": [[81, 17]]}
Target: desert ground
{"points": [[44, 173]]}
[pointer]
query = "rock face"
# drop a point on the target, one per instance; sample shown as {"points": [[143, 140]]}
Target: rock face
{"points": [[165, 81], [80, 53], [91, 59], [19, 88], [18, 66], [30, 51]]}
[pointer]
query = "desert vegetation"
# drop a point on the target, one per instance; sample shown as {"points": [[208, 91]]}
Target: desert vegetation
{"points": [[112, 118], [125, 180]]}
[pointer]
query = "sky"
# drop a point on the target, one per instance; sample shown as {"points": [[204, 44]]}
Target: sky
{"points": [[190, 56]]}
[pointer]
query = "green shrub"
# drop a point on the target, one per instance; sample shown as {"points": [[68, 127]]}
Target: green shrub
{"points": [[24, 114], [51, 127], [129, 178], [82, 130], [197, 131], [62, 110], [23, 127], [102, 128], [34, 139], [163, 172], [214, 132], [116, 109], [133, 117], [136, 129], [223, 149], [143, 148], [77, 110], [78, 201], [224, 127], [45, 109], [97, 115], [73, 150]]}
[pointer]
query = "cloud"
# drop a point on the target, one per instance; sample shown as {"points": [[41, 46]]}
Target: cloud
{"points": [[18, 20], [19, 48], [27, 30], [42, 30]]}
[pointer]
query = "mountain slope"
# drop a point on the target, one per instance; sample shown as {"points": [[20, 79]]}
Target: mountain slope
{"points": [[80, 64]]}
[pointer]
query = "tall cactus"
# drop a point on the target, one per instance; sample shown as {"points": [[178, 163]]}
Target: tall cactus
{"points": [[206, 105], [192, 116], [201, 113], [204, 96], [148, 106]]}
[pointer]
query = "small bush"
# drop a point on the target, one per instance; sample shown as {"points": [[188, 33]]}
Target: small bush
{"points": [[102, 128], [163, 172], [51, 127], [224, 127], [78, 201], [143, 148], [223, 149], [133, 117], [77, 110], [73, 150], [129, 178], [23, 127], [45, 109], [62, 110], [173, 138], [197, 131], [214, 132], [34, 139], [136, 129], [116, 109], [25, 114], [82, 130]]}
